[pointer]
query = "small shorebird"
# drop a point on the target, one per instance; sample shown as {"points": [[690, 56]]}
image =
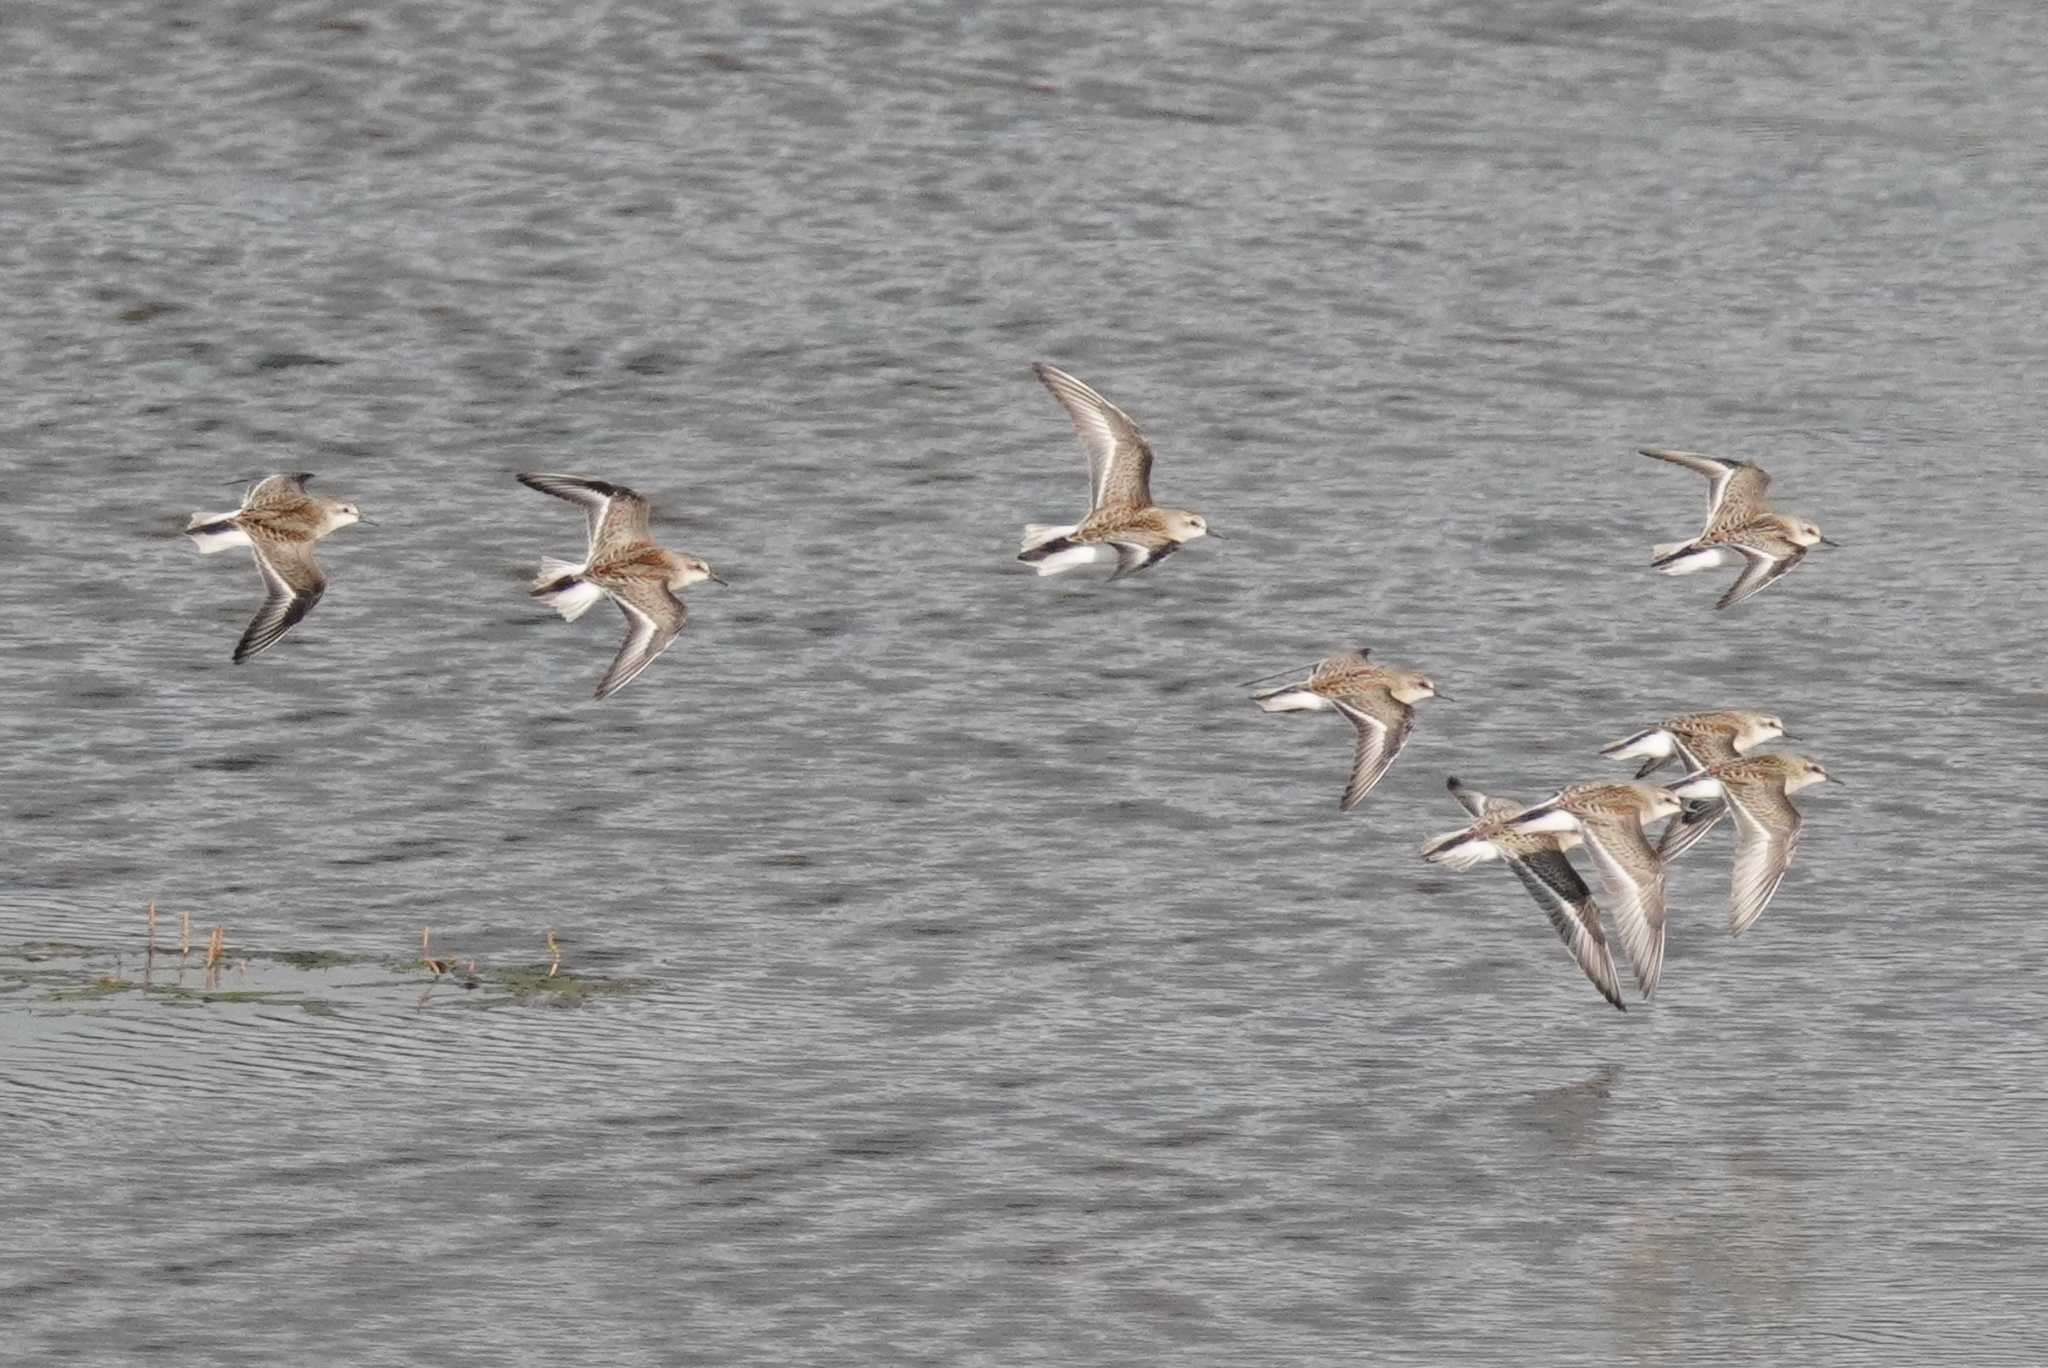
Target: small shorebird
{"points": [[1538, 860], [1123, 524], [1740, 528], [622, 563], [1759, 791], [1695, 740], [1377, 701], [278, 521], [1611, 818]]}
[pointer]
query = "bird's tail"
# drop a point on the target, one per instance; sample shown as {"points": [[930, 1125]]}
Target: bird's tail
{"points": [[1458, 850], [1053, 551], [561, 586], [212, 532], [1290, 698], [1038, 534], [1653, 747]]}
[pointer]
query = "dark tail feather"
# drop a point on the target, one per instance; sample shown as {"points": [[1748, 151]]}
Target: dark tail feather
{"points": [[1681, 550], [1044, 549]]}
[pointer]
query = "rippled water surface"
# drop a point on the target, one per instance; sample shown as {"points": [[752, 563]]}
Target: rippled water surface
{"points": [[1003, 988]]}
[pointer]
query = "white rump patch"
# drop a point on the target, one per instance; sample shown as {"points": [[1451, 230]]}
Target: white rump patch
{"points": [[572, 602], [1293, 700], [1464, 855], [209, 542], [1038, 534], [1073, 558], [1713, 558], [1655, 744], [1557, 819]]}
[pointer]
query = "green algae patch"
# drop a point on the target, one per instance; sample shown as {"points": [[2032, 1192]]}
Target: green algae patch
{"points": [[312, 959], [103, 986], [63, 977], [533, 985], [35, 952]]}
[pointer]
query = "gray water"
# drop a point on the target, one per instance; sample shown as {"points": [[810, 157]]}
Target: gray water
{"points": [[1011, 990]]}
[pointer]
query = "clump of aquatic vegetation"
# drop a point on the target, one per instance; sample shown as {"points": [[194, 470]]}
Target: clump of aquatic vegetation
{"points": [[214, 970]]}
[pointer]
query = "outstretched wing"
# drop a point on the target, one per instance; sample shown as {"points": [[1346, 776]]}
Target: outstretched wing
{"points": [[1766, 833], [1737, 492], [1634, 877], [1382, 725], [1136, 551], [1332, 670], [1119, 458], [653, 618], [1565, 899], [1760, 570], [276, 491], [1684, 831], [292, 584], [615, 517], [1471, 799]]}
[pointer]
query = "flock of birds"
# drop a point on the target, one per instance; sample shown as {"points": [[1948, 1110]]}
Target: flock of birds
{"points": [[279, 521]]}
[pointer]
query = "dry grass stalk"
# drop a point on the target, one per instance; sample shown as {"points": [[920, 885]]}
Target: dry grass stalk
{"points": [[150, 948], [439, 966], [184, 935], [554, 953], [214, 944]]}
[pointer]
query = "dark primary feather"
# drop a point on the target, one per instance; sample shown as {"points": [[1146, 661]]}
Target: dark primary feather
{"points": [[1566, 900], [280, 613], [1382, 727], [285, 603], [1760, 570], [654, 617]]}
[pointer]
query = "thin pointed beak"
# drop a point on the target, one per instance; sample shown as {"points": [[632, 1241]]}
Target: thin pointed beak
{"points": [[712, 575], [1829, 541], [1439, 693], [1786, 736], [1832, 780], [365, 522]]}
